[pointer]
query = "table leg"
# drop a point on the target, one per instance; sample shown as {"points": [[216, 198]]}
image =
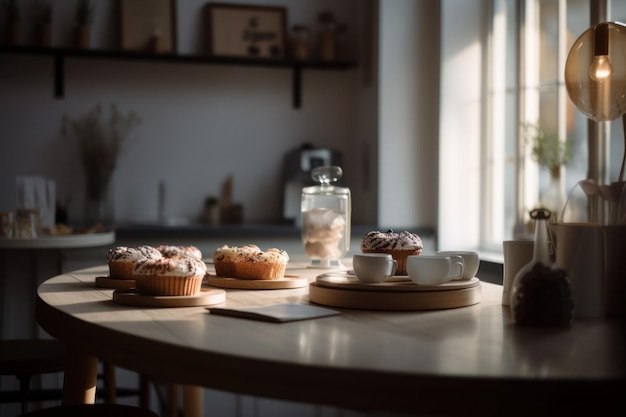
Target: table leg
{"points": [[79, 381], [192, 401]]}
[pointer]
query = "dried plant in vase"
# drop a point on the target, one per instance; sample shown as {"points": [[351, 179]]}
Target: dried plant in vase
{"points": [[99, 143], [551, 153]]}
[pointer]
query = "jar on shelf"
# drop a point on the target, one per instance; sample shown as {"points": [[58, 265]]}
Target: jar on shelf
{"points": [[326, 213], [300, 42], [327, 43]]}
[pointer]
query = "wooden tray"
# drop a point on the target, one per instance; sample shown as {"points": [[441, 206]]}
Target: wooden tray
{"points": [[383, 298], [207, 296], [348, 281], [116, 284], [289, 281]]}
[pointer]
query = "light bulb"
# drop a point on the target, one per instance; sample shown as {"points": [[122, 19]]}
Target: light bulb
{"points": [[601, 68]]}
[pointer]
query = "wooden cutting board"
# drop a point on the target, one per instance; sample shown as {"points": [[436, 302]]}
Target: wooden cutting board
{"points": [[206, 297], [112, 283], [383, 298], [289, 281]]}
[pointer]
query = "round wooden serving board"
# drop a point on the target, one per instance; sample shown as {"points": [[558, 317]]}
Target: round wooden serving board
{"points": [[206, 297], [116, 284], [289, 281], [348, 281], [399, 295]]}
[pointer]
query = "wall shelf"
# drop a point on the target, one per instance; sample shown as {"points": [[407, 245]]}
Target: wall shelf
{"points": [[60, 54]]}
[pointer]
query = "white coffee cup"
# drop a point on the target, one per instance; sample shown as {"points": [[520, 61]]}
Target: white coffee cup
{"points": [[471, 261], [434, 270], [517, 253], [373, 267]]}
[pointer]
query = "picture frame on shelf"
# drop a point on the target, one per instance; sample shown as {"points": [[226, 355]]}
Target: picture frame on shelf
{"points": [[148, 25], [246, 31]]}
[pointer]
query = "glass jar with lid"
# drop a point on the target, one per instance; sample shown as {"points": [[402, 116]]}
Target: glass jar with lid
{"points": [[326, 212]]}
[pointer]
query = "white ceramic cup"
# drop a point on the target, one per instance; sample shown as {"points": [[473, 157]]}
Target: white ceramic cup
{"points": [[373, 267], [434, 270], [471, 261], [517, 253]]}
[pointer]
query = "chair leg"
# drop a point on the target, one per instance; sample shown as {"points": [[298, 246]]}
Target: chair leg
{"points": [[144, 391], [24, 387], [173, 400], [110, 386]]}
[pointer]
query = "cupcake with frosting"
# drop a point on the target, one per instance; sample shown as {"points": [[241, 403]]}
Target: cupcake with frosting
{"points": [[173, 276], [250, 262], [122, 259], [399, 245], [171, 250]]}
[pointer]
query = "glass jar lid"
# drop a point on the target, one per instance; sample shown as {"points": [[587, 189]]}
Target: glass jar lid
{"points": [[326, 175]]}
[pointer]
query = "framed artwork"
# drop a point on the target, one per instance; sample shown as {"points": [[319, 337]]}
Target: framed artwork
{"points": [[246, 31], [148, 25]]}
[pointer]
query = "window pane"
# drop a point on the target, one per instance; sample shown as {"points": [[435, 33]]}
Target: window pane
{"points": [[499, 163], [578, 21], [616, 147]]}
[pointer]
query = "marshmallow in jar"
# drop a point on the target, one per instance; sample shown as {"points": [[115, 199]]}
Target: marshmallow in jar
{"points": [[326, 210]]}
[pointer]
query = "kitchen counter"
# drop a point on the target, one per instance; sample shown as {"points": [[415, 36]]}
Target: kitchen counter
{"points": [[149, 230]]}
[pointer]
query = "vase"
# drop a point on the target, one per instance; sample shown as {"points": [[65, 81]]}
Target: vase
{"points": [[99, 212], [553, 196]]}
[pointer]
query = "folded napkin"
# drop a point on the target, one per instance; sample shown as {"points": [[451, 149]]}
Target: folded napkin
{"points": [[278, 313]]}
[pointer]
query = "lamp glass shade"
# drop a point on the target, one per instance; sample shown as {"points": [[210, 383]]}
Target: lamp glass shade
{"points": [[595, 71]]}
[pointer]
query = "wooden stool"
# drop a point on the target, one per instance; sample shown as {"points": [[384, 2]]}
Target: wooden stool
{"points": [[92, 410], [25, 358]]}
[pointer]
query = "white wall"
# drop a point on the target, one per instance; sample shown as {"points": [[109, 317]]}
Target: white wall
{"points": [[201, 123], [460, 124], [408, 112]]}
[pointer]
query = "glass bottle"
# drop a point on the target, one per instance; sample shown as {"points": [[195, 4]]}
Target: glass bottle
{"points": [[541, 294], [326, 211]]}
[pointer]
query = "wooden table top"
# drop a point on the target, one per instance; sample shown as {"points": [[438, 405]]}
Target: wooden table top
{"points": [[464, 360]]}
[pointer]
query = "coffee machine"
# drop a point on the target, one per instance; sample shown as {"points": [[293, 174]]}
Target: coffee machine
{"points": [[297, 167]]}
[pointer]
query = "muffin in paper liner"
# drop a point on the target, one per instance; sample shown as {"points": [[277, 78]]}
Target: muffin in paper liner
{"points": [[121, 270], [225, 269], [250, 262], [260, 270], [168, 285]]}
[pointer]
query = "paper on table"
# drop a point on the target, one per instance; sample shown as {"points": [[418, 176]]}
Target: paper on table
{"points": [[279, 313]]}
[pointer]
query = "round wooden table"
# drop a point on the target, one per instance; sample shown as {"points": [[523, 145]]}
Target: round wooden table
{"points": [[26, 263], [464, 361], [85, 240]]}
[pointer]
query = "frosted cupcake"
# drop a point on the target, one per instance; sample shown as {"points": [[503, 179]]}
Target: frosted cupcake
{"points": [[399, 245], [250, 262], [122, 259], [174, 276]]}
